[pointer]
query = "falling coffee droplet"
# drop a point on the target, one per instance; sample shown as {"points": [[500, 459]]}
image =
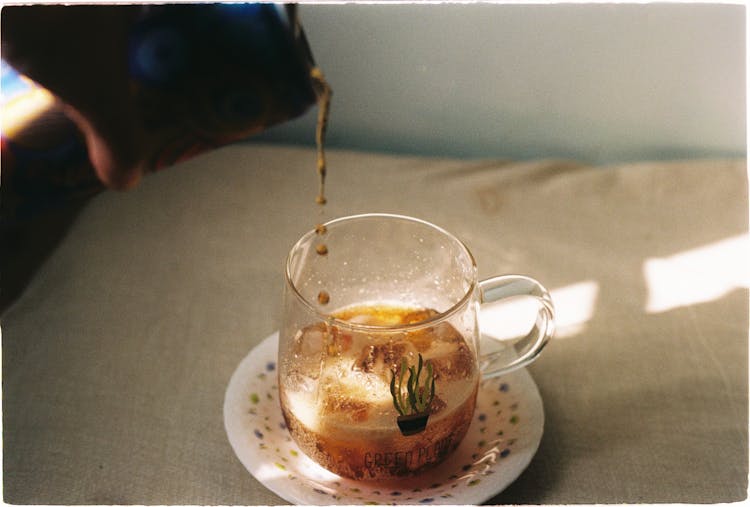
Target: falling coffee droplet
{"points": [[320, 229], [321, 249], [323, 297]]}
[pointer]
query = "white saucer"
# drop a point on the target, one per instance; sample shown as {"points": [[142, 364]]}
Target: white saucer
{"points": [[502, 439]]}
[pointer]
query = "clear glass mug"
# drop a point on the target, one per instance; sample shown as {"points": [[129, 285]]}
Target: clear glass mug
{"points": [[379, 360]]}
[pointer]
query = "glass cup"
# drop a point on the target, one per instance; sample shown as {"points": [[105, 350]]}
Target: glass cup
{"points": [[379, 360]]}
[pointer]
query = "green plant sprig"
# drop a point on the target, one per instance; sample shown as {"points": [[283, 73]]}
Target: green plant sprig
{"points": [[418, 398]]}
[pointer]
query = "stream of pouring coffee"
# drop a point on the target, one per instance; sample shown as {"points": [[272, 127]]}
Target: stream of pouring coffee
{"points": [[323, 91]]}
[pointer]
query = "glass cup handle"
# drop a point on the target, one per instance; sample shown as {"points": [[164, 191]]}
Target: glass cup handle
{"points": [[501, 287]]}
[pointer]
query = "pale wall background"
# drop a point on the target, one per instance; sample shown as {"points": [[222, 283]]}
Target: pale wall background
{"points": [[601, 83]]}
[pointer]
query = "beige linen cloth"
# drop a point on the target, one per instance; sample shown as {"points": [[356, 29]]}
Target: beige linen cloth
{"points": [[117, 353]]}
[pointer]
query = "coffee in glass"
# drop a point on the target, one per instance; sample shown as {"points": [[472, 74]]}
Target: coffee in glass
{"points": [[385, 385]]}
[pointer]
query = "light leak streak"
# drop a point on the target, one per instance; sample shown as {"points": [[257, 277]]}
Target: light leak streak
{"points": [[20, 112]]}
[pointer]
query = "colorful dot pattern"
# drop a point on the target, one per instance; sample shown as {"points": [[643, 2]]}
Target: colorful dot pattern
{"points": [[496, 434], [502, 439]]}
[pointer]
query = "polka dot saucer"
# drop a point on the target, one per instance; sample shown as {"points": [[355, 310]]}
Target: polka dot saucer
{"points": [[502, 439]]}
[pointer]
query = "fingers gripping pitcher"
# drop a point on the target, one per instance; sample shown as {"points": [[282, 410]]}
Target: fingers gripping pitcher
{"points": [[379, 380]]}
